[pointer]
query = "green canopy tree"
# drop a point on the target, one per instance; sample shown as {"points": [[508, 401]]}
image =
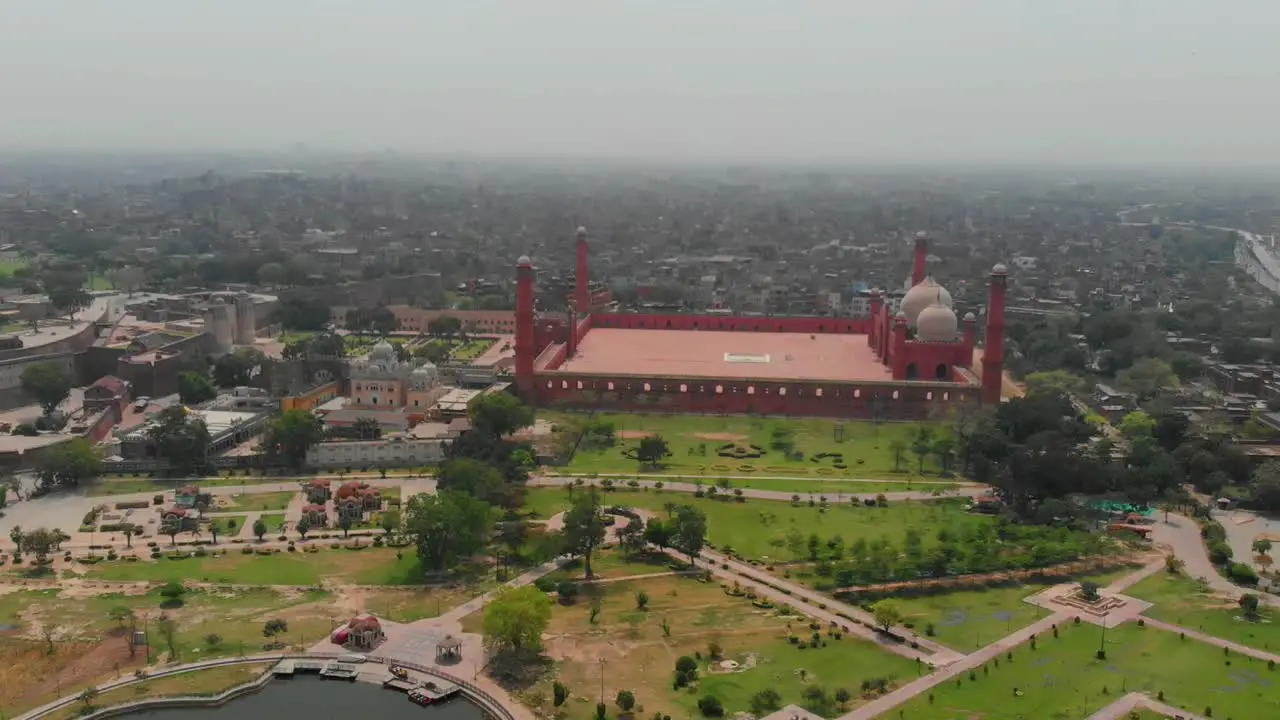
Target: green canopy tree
{"points": [[195, 388], [182, 438], [516, 618], [48, 383], [499, 414], [68, 464], [584, 528], [291, 435], [690, 533], [447, 527]]}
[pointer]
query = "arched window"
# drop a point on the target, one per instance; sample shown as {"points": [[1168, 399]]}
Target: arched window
{"points": [[895, 394], [647, 388], [684, 388], [818, 392], [719, 389], [928, 395], [751, 389], [857, 393], [549, 385], [579, 384], [564, 384], [946, 396], [912, 371], [782, 391], [610, 386], [940, 372], [668, 324]]}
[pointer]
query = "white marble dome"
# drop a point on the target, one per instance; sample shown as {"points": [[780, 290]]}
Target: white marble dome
{"points": [[936, 323], [927, 292], [382, 352]]}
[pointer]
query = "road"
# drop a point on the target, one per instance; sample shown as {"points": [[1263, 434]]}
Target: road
{"points": [[1182, 535]]}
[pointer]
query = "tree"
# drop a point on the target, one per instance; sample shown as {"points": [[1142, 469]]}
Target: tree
{"points": [[1054, 382], [120, 613], [922, 445], [127, 278], [271, 274], [169, 631], [512, 534], [180, 437], [584, 528], [238, 368], [1137, 424], [843, 697], [1265, 492], [1262, 546], [68, 464], [389, 521], [499, 414], [690, 531], [88, 695], [195, 388], [898, 447], [631, 537], [259, 529], [1148, 377], [40, 542], [1249, 604], [447, 527], [625, 700], [516, 618], [473, 477], [303, 526], [657, 532], [766, 701], [17, 536], [944, 448], [710, 706], [344, 524], [48, 383], [172, 593], [274, 627], [171, 526], [652, 450], [291, 435], [887, 614]]}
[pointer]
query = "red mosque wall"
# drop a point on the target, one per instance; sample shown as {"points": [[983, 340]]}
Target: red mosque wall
{"points": [[728, 323], [890, 401]]}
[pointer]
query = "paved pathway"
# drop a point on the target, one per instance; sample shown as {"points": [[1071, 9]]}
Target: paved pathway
{"points": [[1212, 640], [966, 491], [1120, 709], [922, 685], [940, 655], [1181, 535]]}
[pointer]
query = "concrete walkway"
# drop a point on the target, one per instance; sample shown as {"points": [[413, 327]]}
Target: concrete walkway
{"points": [[1213, 640], [1120, 709], [1181, 535], [940, 655], [688, 487]]}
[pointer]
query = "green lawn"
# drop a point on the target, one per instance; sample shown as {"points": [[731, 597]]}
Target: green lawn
{"points": [[130, 485], [761, 528], [1062, 680], [831, 489], [966, 620], [368, 566], [693, 440], [228, 525], [472, 349], [275, 522], [1182, 601], [258, 501], [7, 267]]}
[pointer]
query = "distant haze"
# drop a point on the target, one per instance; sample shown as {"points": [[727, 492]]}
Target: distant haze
{"points": [[985, 81]]}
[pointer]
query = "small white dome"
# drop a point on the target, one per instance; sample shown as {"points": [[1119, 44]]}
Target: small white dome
{"points": [[922, 296], [936, 323], [382, 351], [1000, 269], [582, 231], [922, 234], [970, 317], [524, 260]]}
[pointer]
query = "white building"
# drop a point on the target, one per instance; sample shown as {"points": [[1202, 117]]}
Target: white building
{"points": [[393, 452]]}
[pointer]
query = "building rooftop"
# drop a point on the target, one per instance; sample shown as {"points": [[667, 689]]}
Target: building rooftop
{"points": [[730, 355]]}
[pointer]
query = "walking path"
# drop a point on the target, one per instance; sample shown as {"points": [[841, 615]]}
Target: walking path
{"points": [[1120, 709], [1182, 535], [895, 496], [940, 655], [1213, 640]]}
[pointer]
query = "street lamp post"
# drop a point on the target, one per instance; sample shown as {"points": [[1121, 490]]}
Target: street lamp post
{"points": [[602, 663]]}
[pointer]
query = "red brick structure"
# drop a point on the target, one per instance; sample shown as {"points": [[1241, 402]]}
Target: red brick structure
{"points": [[892, 366]]}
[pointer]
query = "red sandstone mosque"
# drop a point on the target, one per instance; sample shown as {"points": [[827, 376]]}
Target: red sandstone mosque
{"points": [[891, 366]]}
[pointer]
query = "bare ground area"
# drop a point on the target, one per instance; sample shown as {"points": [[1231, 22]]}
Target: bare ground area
{"points": [[635, 434], [721, 437], [33, 677]]}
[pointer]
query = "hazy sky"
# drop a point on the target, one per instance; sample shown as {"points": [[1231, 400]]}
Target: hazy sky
{"points": [[1025, 81]]}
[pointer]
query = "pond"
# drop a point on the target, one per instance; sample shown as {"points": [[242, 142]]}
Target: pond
{"points": [[308, 696]]}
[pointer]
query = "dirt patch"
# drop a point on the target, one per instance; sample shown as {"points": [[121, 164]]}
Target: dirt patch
{"points": [[720, 437], [40, 677], [635, 434]]}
